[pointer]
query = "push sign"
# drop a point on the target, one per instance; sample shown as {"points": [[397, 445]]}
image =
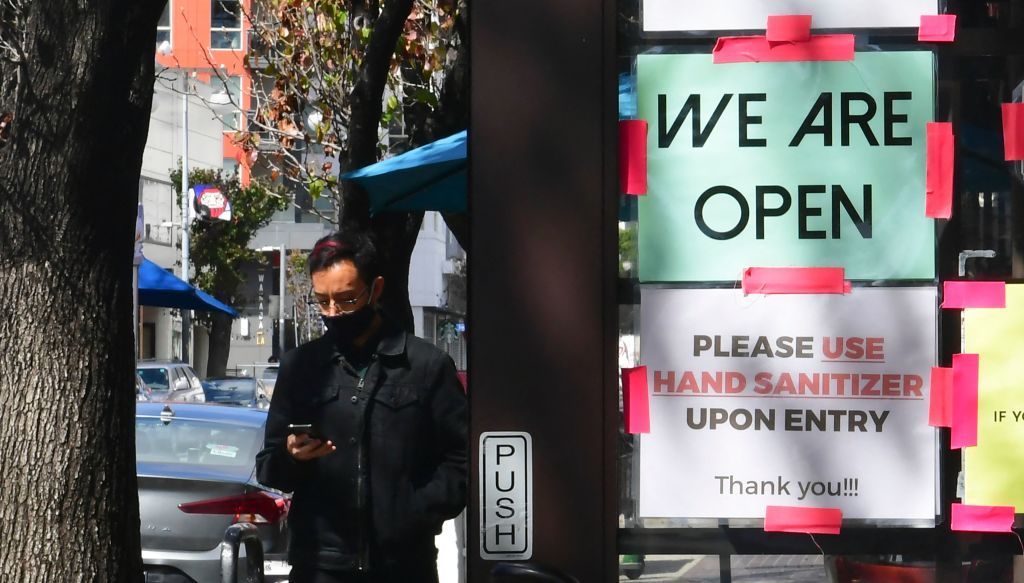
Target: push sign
{"points": [[506, 495]]}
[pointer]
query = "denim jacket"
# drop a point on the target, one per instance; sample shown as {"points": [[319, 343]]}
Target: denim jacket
{"points": [[400, 428]]}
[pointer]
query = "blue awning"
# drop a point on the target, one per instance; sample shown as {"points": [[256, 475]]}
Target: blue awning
{"points": [[159, 287], [428, 178]]}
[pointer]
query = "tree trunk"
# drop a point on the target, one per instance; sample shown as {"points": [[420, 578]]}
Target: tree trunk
{"points": [[220, 344], [394, 233], [69, 173], [400, 231], [452, 114]]}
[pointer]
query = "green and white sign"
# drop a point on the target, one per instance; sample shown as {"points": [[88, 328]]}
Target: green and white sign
{"points": [[786, 164]]}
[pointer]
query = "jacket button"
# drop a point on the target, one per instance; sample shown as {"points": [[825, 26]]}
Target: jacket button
{"points": [[354, 399], [352, 440]]}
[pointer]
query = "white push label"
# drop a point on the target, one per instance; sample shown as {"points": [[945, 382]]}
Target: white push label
{"points": [[506, 495]]}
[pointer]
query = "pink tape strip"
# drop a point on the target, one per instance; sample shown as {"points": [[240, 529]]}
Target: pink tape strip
{"points": [[971, 518], [633, 156], [939, 171], [789, 28], [757, 49], [940, 397], [937, 28], [964, 427], [1013, 131], [958, 295], [636, 405], [802, 519], [795, 280]]}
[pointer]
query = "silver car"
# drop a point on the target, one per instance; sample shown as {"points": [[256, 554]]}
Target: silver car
{"points": [[196, 473], [241, 391], [269, 377], [171, 380]]}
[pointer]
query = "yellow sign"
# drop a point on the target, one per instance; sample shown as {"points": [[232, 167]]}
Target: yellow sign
{"points": [[994, 470]]}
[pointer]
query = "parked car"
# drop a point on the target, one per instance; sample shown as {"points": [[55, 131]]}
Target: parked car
{"points": [[196, 475], [170, 380], [243, 391], [142, 390], [269, 378]]}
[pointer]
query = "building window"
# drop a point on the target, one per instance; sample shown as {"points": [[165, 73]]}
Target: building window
{"points": [[226, 24], [163, 26], [233, 118], [230, 167]]}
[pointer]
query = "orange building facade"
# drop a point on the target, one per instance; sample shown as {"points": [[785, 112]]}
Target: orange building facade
{"points": [[210, 39]]}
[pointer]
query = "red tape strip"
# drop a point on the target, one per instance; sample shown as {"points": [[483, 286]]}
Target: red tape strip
{"points": [[958, 295], [971, 518], [803, 519], [964, 429], [939, 172], [1013, 131], [757, 49], [636, 405], [795, 280], [937, 28], [633, 156], [789, 28], [940, 397]]}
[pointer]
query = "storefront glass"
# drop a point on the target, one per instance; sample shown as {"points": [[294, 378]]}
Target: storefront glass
{"points": [[783, 252]]}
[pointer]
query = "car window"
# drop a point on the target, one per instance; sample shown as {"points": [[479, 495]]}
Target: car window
{"points": [[192, 378], [230, 390], [270, 373], [194, 442], [156, 378]]}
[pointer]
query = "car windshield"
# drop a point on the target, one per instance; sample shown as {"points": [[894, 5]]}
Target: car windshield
{"points": [[156, 378], [270, 373], [230, 390], [196, 442]]}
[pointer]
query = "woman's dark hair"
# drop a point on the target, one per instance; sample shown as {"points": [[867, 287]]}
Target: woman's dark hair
{"points": [[355, 247]]}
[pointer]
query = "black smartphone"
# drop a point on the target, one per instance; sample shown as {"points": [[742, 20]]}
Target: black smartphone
{"points": [[303, 429]]}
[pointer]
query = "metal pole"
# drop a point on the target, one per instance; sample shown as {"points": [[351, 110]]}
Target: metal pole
{"points": [[280, 306], [186, 323]]}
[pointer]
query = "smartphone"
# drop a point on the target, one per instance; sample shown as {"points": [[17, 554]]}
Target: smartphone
{"points": [[303, 429]]}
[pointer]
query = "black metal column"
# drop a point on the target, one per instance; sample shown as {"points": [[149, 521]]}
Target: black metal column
{"points": [[542, 315]]}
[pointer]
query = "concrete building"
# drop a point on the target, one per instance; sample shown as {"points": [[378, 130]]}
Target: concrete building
{"points": [[207, 41]]}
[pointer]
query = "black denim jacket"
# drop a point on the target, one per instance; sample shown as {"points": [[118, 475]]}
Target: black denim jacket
{"points": [[399, 470]]}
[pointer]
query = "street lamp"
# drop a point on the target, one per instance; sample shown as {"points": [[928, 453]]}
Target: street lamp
{"points": [[280, 296], [218, 99]]}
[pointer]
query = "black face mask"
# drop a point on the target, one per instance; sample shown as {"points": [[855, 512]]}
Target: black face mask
{"points": [[345, 328]]}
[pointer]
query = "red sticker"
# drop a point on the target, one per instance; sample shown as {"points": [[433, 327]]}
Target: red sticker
{"points": [[958, 295], [757, 49], [939, 171], [1013, 131], [940, 397], [803, 519], [973, 518], [937, 28], [964, 430], [789, 28], [636, 405], [633, 156], [795, 280]]}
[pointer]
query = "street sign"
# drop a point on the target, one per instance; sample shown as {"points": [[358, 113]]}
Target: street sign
{"points": [[506, 495]]}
